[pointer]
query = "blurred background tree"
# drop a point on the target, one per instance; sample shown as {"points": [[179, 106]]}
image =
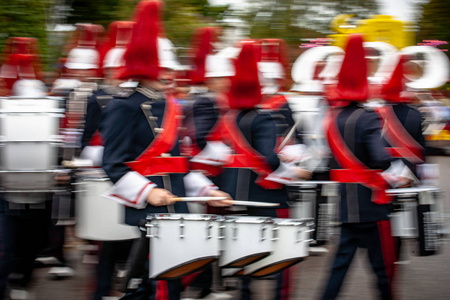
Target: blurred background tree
{"points": [[24, 18], [435, 22], [294, 20]]}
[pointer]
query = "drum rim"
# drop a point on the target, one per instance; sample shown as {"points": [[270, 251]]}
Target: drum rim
{"points": [[183, 216], [247, 219], [307, 222]]}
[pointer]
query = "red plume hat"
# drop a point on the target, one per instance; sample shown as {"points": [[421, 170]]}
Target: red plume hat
{"points": [[141, 56], [392, 89], [245, 90], [275, 50], [202, 47], [352, 79], [118, 35]]}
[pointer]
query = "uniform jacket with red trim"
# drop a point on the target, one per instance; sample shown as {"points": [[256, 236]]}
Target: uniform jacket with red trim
{"points": [[259, 129], [411, 119], [95, 103], [128, 126], [205, 114], [284, 121], [361, 130]]}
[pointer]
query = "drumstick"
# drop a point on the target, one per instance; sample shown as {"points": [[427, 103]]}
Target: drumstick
{"points": [[289, 135], [197, 199], [232, 202], [252, 203]]}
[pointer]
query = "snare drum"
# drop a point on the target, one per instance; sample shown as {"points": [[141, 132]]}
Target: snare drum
{"points": [[29, 138], [290, 240], [315, 199], [98, 218], [181, 243], [417, 215], [244, 240]]}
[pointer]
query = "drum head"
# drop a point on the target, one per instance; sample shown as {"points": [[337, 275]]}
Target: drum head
{"points": [[185, 269], [275, 268]]}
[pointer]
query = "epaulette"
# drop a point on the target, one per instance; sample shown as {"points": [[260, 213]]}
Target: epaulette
{"points": [[124, 93], [150, 93], [110, 89]]}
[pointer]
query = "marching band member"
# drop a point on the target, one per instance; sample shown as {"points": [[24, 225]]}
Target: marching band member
{"points": [[273, 66], [354, 136], [112, 50], [83, 60], [141, 154], [251, 133], [18, 45], [212, 73], [402, 122], [402, 125], [21, 211]]}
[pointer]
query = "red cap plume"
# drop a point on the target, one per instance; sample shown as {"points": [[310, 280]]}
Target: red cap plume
{"points": [[89, 35], [160, 4], [352, 79], [141, 57], [25, 65], [202, 46], [275, 50], [245, 90], [118, 35], [19, 45], [392, 89]]}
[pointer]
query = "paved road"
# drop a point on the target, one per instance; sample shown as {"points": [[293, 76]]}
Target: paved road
{"points": [[422, 278]]}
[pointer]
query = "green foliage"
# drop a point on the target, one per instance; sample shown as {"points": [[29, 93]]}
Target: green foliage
{"points": [[435, 22], [24, 18]]}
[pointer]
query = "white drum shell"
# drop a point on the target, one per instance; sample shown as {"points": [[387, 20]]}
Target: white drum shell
{"points": [[290, 242], [29, 130], [172, 245], [24, 156], [404, 222], [244, 237], [98, 218]]}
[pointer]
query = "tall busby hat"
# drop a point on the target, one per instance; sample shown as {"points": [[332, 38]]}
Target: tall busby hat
{"points": [[392, 90], [141, 56], [114, 44], [245, 90], [352, 79], [202, 47]]}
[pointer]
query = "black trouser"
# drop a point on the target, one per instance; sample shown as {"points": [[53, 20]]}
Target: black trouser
{"points": [[111, 252], [377, 238]]}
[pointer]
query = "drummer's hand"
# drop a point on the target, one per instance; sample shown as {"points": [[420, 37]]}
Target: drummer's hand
{"points": [[62, 179], [160, 197], [302, 173], [404, 182], [219, 203]]}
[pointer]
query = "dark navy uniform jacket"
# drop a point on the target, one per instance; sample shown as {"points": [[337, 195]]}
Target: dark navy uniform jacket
{"points": [[128, 126], [411, 120], [95, 104], [284, 122], [361, 130], [206, 114], [260, 131]]}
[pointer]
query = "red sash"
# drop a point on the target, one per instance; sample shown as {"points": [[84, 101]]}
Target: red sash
{"points": [[404, 145], [354, 171], [246, 156], [150, 162], [216, 134]]}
